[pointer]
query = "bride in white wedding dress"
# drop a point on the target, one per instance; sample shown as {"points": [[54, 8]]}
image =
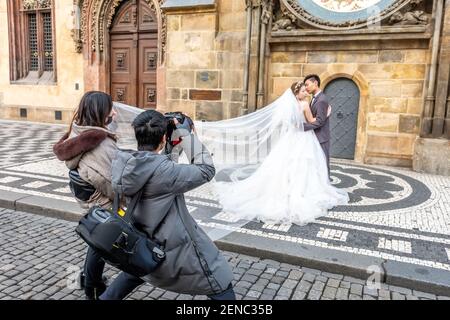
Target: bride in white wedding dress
{"points": [[291, 185]]}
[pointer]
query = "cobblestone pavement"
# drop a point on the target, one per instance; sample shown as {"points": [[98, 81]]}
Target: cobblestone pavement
{"points": [[395, 214], [40, 256]]}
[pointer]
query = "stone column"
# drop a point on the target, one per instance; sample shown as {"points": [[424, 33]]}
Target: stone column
{"points": [[442, 82], [447, 120], [266, 15], [248, 42], [254, 53], [432, 149], [446, 58], [427, 121]]}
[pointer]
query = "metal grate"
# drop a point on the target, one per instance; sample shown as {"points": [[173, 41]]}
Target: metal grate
{"points": [[48, 41], [33, 42]]}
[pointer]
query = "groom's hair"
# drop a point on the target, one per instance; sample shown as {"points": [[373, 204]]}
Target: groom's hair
{"points": [[313, 77], [149, 128]]}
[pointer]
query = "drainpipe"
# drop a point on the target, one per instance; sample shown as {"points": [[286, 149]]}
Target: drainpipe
{"points": [[249, 10], [430, 99]]}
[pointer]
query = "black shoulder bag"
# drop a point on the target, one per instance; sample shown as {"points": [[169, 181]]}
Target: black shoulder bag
{"points": [[118, 240]]}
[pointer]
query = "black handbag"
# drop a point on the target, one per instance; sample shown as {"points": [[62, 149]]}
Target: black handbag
{"points": [[118, 241], [81, 189]]}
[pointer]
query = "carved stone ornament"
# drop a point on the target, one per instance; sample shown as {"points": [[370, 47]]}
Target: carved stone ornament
{"points": [[36, 4], [347, 14], [266, 14], [416, 17]]}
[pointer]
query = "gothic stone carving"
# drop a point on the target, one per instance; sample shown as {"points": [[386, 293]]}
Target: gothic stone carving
{"points": [[284, 19], [283, 24], [36, 4], [410, 15], [416, 17]]}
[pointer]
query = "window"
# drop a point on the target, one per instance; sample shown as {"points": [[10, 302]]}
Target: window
{"points": [[32, 45]]}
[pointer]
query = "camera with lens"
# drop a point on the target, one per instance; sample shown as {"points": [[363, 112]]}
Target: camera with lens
{"points": [[184, 123]]}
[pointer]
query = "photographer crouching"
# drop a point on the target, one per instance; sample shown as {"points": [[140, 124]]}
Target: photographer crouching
{"points": [[193, 264]]}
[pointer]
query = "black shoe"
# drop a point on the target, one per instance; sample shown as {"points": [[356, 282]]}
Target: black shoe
{"points": [[82, 280], [93, 293]]}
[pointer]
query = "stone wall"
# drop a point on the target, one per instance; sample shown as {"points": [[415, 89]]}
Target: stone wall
{"points": [[41, 101], [391, 85], [205, 60]]}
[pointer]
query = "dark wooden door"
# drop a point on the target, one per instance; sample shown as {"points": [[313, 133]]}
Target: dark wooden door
{"points": [[134, 48]]}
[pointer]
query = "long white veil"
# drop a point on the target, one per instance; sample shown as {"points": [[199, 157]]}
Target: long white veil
{"points": [[238, 145], [245, 140]]}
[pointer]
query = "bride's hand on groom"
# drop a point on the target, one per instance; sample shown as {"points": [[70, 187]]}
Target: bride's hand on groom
{"points": [[329, 111]]}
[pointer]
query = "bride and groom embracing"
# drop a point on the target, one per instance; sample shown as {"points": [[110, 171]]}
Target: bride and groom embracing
{"points": [[286, 148], [292, 184]]}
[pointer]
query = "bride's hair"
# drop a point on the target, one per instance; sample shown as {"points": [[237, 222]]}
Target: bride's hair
{"points": [[297, 86]]}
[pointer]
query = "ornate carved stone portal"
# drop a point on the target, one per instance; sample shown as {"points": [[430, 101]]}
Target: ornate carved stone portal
{"points": [[93, 18]]}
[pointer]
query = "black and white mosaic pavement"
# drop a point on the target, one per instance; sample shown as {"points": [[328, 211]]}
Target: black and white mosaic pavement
{"points": [[394, 214], [23, 142]]}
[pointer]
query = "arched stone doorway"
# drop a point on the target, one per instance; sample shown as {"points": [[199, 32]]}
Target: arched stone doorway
{"points": [[102, 23], [134, 55], [344, 97]]}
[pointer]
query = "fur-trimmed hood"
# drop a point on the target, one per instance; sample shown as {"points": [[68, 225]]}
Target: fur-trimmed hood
{"points": [[91, 151], [82, 139]]}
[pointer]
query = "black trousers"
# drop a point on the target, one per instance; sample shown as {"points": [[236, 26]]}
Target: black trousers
{"points": [[93, 269], [326, 149], [125, 283]]}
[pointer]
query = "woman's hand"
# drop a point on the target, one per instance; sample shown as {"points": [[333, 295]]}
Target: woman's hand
{"points": [[329, 111]]}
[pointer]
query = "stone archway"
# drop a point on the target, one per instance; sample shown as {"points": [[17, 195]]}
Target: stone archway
{"points": [[92, 39]]}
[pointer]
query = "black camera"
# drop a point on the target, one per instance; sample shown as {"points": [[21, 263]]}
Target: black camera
{"points": [[184, 123]]}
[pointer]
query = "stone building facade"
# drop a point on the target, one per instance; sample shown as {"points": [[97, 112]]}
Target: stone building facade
{"points": [[384, 64]]}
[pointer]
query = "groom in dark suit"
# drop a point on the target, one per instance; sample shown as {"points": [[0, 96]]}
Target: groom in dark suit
{"points": [[319, 108]]}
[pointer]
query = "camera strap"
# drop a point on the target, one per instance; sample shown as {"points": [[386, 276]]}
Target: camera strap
{"points": [[129, 212]]}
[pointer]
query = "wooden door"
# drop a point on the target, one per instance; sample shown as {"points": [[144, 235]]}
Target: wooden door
{"points": [[343, 95], [134, 60]]}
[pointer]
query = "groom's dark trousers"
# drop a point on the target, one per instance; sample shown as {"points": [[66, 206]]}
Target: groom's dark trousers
{"points": [[326, 149], [321, 127]]}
